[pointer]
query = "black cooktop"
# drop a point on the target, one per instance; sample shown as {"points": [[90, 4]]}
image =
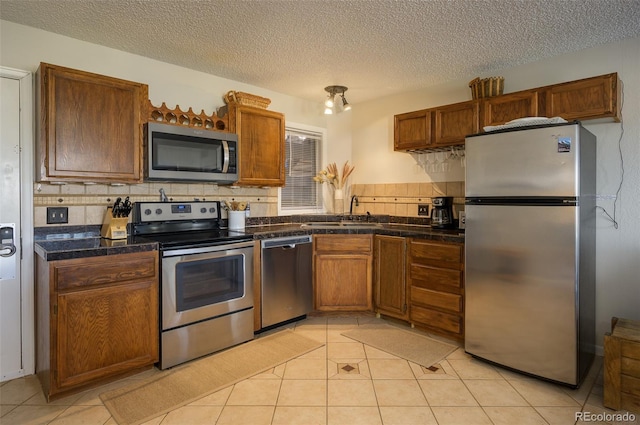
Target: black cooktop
{"points": [[194, 239]]}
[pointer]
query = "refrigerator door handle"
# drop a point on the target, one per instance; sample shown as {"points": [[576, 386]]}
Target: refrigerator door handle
{"points": [[524, 201]]}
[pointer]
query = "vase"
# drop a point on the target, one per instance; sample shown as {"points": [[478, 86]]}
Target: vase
{"points": [[338, 201]]}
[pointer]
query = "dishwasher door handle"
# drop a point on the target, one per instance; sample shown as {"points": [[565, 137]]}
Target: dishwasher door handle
{"points": [[287, 241]]}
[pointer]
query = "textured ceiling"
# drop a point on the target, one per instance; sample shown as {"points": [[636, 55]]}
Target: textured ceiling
{"points": [[374, 47]]}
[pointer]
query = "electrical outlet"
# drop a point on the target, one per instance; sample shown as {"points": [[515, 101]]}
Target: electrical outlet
{"points": [[423, 209], [57, 215]]}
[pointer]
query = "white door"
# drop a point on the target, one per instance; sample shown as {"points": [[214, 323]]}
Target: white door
{"points": [[16, 283]]}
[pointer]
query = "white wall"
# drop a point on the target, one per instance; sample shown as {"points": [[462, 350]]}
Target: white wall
{"points": [[618, 250]]}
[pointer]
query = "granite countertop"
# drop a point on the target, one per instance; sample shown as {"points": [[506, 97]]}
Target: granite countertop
{"points": [[388, 229], [64, 249], [89, 244]]}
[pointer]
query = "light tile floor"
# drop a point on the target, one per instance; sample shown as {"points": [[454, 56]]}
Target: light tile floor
{"points": [[344, 383]]}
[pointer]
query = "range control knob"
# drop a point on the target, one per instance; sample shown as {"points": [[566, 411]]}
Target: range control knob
{"points": [[158, 211], [212, 210], [147, 212], [203, 210]]}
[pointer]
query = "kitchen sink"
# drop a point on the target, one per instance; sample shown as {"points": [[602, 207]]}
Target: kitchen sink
{"points": [[341, 225]]}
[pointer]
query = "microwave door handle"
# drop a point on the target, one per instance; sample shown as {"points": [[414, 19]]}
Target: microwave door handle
{"points": [[225, 149]]}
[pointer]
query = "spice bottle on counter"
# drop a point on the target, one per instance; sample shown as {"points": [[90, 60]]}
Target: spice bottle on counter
{"points": [[247, 211]]}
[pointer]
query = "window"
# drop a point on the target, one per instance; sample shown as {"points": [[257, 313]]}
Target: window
{"points": [[302, 161]]}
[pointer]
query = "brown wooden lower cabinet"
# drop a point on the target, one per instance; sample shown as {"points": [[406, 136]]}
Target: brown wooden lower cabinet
{"points": [[342, 272], [389, 276], [436, 280], [417, 280], [97, 320]]}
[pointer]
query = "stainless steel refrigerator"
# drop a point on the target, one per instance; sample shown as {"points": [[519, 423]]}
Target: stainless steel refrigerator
{"points": [[530, 250]]}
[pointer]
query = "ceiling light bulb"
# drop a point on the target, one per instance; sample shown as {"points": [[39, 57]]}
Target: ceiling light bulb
{"points": [[328, 111], [345, 105], [329, 102]]}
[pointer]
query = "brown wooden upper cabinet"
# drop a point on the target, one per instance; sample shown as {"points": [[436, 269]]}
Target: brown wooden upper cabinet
{"points": [[413, 130], [586, 99], [501, 109], [590, 98], [436, 127], [89, 127], [261, 150], [454, 122]]}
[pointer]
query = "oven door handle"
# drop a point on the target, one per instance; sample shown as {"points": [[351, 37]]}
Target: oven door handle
{"points": [[225, 150]]}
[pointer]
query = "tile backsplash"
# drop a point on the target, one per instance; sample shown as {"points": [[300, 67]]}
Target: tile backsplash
{"points": [[88, 203], [402, 199]]}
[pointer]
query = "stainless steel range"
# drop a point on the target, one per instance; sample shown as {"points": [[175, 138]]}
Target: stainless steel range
{"points": [[206, 281]]}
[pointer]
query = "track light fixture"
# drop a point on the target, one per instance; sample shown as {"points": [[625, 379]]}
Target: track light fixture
{"points": [[331, 104]]}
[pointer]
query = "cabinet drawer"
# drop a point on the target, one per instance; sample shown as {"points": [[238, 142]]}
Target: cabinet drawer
{"points": [[436, 319], [429, 251], [435, 278], [441, 300], [74, 274], [361, 244]]}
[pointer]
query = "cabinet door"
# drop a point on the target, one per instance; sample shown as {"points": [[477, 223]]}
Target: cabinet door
{"points": [[90, 127], [390, 286], [342, 272], [501, 109], [454, 122], [343, 282], [590, 98], [412, 130], [105, 331], [261, 152]]}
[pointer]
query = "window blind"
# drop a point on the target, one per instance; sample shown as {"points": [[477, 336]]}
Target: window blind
{"points": [[300, 192]]}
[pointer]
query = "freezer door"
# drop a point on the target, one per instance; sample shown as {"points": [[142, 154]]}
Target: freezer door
{"points": [[526, 163], [520, 288]]}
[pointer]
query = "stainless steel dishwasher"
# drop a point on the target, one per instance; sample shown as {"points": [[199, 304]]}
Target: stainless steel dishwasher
{"points": [[286, 279]]}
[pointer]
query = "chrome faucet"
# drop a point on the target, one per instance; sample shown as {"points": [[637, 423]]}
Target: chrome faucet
{"points": [[353, 198]]}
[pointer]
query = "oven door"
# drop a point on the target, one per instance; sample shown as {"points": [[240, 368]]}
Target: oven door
{"points": [[206, 282]]}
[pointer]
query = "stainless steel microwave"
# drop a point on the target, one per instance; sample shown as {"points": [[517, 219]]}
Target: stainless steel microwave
{"points": [[176, 153]]}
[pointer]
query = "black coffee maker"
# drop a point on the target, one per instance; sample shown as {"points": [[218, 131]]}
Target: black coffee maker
{"points": [[442, 212]]}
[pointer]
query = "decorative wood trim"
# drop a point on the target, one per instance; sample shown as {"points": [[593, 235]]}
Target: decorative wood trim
{"points": [[189, 118]]}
